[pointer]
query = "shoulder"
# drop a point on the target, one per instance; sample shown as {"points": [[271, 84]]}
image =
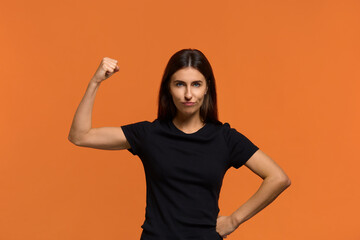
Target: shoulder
{"points": [[231, 134], [226, 128], [140, 125], [227, 131]]}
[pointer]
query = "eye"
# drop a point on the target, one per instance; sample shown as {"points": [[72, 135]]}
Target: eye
{"points": [[197, 84], [178, 84]]}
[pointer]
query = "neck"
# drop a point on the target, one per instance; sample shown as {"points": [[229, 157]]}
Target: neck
{"points": [[188, 123]]}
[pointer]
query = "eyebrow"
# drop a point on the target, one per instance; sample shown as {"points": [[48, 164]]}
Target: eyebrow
{"points": [[192, 81]]}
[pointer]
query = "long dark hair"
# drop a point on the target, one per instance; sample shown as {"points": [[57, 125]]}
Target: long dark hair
{"points": [[182, 59]]}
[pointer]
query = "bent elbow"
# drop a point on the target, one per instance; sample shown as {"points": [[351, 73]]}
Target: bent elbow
{"points": [[281, 180], [73, 140], [285, 181]]}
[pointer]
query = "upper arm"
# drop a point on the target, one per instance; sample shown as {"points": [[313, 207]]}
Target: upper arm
{"points": [[109, 138], [262, 165]]}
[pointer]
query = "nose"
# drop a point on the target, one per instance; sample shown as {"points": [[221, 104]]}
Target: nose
{"points": [[188, 94]]}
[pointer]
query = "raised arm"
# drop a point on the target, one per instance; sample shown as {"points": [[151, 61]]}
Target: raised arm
{"points": [[81, 131]]}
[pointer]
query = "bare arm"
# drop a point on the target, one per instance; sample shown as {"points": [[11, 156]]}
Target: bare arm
{"points": [[81, 131], [275, 181]]}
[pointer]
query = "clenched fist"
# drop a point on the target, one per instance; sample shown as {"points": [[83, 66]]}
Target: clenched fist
{"points": [[106, 69]]}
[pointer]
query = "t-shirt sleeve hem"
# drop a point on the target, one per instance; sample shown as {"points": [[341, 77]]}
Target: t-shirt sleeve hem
{"points": [[246, 157], [132, 148]]}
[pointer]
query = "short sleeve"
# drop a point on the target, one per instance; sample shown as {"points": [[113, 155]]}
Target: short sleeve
{"points": [[135, 135], [240, 147]]}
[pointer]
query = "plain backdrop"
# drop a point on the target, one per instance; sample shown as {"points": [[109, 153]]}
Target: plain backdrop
{"points": [[287, 75]]}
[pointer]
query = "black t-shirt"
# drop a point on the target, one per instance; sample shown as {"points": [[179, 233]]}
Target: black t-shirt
{"points": [[184, 174]]}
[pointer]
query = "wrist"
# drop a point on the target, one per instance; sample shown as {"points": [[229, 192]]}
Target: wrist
{"points": [[95, 81], [236, 220]]}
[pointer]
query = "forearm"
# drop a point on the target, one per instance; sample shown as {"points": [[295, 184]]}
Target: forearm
{"points": [[82, 119], [270, 188]]}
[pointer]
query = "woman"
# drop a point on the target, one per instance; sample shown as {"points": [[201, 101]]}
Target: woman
{"points": [[185, 152]]}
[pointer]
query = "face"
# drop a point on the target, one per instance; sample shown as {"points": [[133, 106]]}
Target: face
{"points": [[187, 88]]}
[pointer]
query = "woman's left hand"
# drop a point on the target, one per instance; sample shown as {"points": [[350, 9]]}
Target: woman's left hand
{"points": [[225, 225]]}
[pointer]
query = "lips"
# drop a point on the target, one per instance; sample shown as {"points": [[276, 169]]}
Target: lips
{"points": [[188, 103]]}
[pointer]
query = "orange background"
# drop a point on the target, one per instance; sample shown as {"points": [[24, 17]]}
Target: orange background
{"points": [[287, 77]]}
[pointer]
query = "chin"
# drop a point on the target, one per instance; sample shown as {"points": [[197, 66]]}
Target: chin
{"points": [[188, 113]]}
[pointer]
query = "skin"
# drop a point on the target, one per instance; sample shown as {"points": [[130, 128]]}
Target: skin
{"points": [[186, 85]]}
